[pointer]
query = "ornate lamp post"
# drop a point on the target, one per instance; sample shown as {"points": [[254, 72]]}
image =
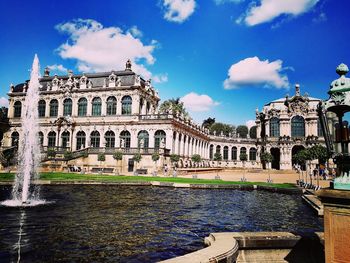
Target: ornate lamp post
{"points": [[336, 200]]}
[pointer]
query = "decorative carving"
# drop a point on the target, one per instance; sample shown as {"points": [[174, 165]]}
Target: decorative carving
{"points": [[273, 113], [338, 98], [112, 80]]}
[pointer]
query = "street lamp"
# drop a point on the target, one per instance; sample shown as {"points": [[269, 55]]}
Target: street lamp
{"points": [[335, 128]]}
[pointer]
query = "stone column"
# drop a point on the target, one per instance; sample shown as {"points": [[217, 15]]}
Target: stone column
{"points": [[151, 139]]}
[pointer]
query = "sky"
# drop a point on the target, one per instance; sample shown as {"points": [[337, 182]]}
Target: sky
{"points": [[223, 58]]}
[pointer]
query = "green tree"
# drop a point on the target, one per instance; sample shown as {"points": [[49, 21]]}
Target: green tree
{"points": [[319, 152], [196, 158], [174, 158], [68, 155], [175, 105], [137, 158], [101, 157], [118, 156], [219, 127], [217, 157], [267, 158], [242, 131], [51, 153], [252, 132], [207, 123], [243, 157]]}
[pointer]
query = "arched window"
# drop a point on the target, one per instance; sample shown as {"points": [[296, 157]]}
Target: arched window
{"points": [[159, 139], [141, 105], [17, 109], [252, 154], [65, 136], [110, 139], [234, 153], [67, 107], [148, 107], [14, 139], [243, 150], [111, 106], [211, 152], [51, 142], [143, 139], [218, 149], [319, 129], [41, 138], [225, 157], [298, 126], [125, 139], [96, 106], [81, 140], [274, 127], [53, 108], [41, 108], [126, 105], [82, 107], [95, 139]]}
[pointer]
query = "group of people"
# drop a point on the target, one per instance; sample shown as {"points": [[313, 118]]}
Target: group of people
{"points": [[319, 171]]}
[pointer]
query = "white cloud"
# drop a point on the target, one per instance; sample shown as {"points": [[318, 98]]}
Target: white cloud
{"points": [[56, 67], [253, 71], [322, 17], [160, 78], [196, 102], [98, 48], [4, 102], [250, 123], [270, 9], [135, 32], [220, 2], [178, 10]]}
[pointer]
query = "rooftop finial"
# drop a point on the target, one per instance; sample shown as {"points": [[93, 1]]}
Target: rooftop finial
{"points": [[297, 90], [342, 69], [47, 72], [128, 65]]}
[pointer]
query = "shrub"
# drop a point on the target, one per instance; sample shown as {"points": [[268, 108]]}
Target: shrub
{"points": [[51, 153], [137, 157], [118, 156], [101, 157], [155, 157], [68, 155]]}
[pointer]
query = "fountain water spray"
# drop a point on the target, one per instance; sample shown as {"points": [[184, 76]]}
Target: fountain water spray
{"points": [[23, 193]]}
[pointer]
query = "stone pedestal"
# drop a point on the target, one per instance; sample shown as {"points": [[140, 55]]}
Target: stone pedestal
{"points": [[336, 225]]}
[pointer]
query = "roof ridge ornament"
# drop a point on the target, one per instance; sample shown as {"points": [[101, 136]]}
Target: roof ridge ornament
{"points": [[342, 69], [128, 65]]}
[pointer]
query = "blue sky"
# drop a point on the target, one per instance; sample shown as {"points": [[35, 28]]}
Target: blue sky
{"points": [[224, 58]]}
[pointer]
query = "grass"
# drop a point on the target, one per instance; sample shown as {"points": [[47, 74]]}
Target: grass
{"points": [[56, 176]]}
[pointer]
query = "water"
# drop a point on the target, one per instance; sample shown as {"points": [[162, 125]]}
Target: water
{"points": [[23, 193], [87, 223]]}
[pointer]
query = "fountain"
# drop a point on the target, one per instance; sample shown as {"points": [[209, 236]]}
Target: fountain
{"points": [[23, 193]]}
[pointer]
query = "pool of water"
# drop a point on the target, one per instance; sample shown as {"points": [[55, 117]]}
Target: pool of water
{"points": [[94, 223]]}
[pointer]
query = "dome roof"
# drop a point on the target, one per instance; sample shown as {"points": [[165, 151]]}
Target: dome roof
{"points": [[341, 84]]}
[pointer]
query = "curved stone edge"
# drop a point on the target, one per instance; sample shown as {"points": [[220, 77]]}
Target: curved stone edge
{"points": [[222, 247]]}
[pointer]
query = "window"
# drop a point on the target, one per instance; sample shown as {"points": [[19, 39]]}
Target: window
{"points": [[319, 129], [53, 108], [274, 127], [148, 107], [41, 138], [159, 139], [234, 153], [41, 108], [225, 153], [218, 149], [126, 105], [111, 106], [125, 139], [65, 139], [51, 139], [81, 140], [14, 139], [243, 150], [17, 109], [95, 139], [252, 154], [211, 152], [143, 140], [298, 126], [82, 107], [110, 139], [67, 107], [96, 106]]}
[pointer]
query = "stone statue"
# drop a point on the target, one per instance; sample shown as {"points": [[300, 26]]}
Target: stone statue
{"points": [[122, 143], [162, 143]]}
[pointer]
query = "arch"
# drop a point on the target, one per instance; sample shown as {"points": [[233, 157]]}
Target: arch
{"points": [[295, 150], [126, 105], [67, 107], [82, 107], [65, 138], [252, 154], [125, 139], [95, 139], [17, 109], [81, 140], [276, 155], [234, 153], [143, 139], [319, 129], [159, 139], [53, 108], [41, 108], [218, 149], [111, 105], [211, 152], [243, 150], [96, 106], [14, 139], [274, 127], [110, 139], [298, 126], [225, 155], [41, 138], [51, 139]]}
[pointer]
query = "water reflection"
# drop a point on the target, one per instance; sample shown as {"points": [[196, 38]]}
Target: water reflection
{"points": [[139, 224], [17, 246]]}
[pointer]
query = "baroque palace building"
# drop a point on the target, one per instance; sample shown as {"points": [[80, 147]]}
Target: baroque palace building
{"points": [[113, 111]]}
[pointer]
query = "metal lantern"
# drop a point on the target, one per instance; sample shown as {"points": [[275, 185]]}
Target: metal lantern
{"points": [[335, 128]]}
